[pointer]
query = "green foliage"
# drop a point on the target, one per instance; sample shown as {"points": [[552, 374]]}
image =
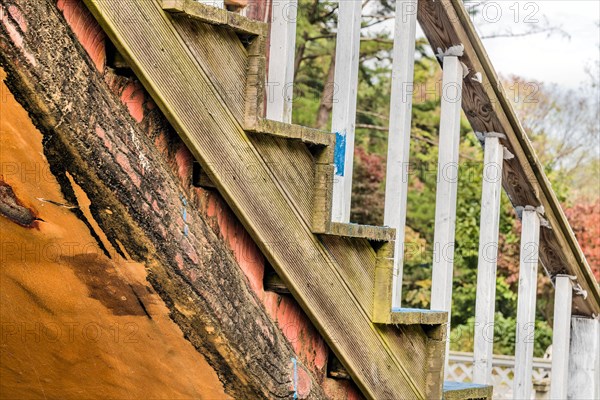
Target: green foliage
{"points": [[505, 328], [316, 43]]}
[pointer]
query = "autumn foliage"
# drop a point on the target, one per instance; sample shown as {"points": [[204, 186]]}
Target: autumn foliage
{"points": [[584, 218]]}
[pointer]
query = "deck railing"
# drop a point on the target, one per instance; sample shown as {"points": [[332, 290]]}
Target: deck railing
{"points": [[467, 73], [460, 369]]}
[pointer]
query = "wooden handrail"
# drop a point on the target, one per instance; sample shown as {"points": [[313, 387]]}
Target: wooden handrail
{"points": [[446, 23]]}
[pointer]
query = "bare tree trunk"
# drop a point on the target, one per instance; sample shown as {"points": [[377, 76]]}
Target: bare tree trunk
{"points": [[326, 103]]}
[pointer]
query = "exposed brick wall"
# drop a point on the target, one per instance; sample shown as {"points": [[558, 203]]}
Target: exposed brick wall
{"points": [[295, 325]]}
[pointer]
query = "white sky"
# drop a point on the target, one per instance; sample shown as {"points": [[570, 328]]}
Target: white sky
{"points": [[550, 59]]}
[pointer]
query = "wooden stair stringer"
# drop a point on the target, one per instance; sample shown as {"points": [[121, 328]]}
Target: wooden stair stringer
{"points": [[191, 102], [205, 41]]}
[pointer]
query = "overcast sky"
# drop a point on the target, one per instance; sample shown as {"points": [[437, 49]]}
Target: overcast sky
{"points": [[553, 58]]}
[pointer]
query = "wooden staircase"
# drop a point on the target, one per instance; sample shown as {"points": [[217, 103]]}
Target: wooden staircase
{"points": [[205, 68]]}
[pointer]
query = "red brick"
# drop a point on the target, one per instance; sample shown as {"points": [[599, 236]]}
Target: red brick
{"points": [[86, 29], [133, 97]]}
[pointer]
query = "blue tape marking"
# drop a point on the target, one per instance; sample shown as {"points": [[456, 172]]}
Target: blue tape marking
{"points": [[339, 155], [184, 215], [295, 378]]}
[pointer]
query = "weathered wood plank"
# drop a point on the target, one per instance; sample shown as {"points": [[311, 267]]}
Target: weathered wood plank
{"points": [[485, 301], [374, 233], [584, 359], [294, 132], [447, 184], [343, 117], [360, 260], [292, 165], [281, 60], [561, 335], [446, 23], [208, 13], [167, 69], [528, 268], [466, 391], [396, 178], [218, 46]]}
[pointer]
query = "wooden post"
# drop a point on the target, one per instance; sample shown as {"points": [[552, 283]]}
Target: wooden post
{"points": [[396, 183], [280, 82], [561, 333], [447, 182], [344, 106], [530, 239], [488, 256], [584, 359]]}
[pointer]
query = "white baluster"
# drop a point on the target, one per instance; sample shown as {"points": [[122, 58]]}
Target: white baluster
{"points": [[447, 182], [561, 335], [396, 184], [584, 359], [530, 238], [280, 82], [488, 256], [344, 106]]}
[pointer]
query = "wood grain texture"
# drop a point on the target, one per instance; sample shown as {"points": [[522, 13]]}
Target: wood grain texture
{"points": [[164, 63], [485, 300], [218, 47], [215, 16], [294, 132], [369, 232], [398, 152], [447, 23], [466, 391], [343, 114], [561, 337]]}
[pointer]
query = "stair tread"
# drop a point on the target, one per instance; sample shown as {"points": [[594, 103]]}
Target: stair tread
{"points": [[464, 390], [370, 232], [295, 132], [412, 316], [216, 16]]}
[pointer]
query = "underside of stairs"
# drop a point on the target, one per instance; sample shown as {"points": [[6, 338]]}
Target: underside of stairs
{"points": [[205, 68]]}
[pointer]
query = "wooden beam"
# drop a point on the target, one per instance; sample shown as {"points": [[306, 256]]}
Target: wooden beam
{"points": [[369, 232], [343, 116], [446, 23], [447, 183], [214, 13], [293, 132], [528, 265], [396, 181], [466, 391], [280, 84], [584, 359], [213, 3], [485, 301], [561, 334]]}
